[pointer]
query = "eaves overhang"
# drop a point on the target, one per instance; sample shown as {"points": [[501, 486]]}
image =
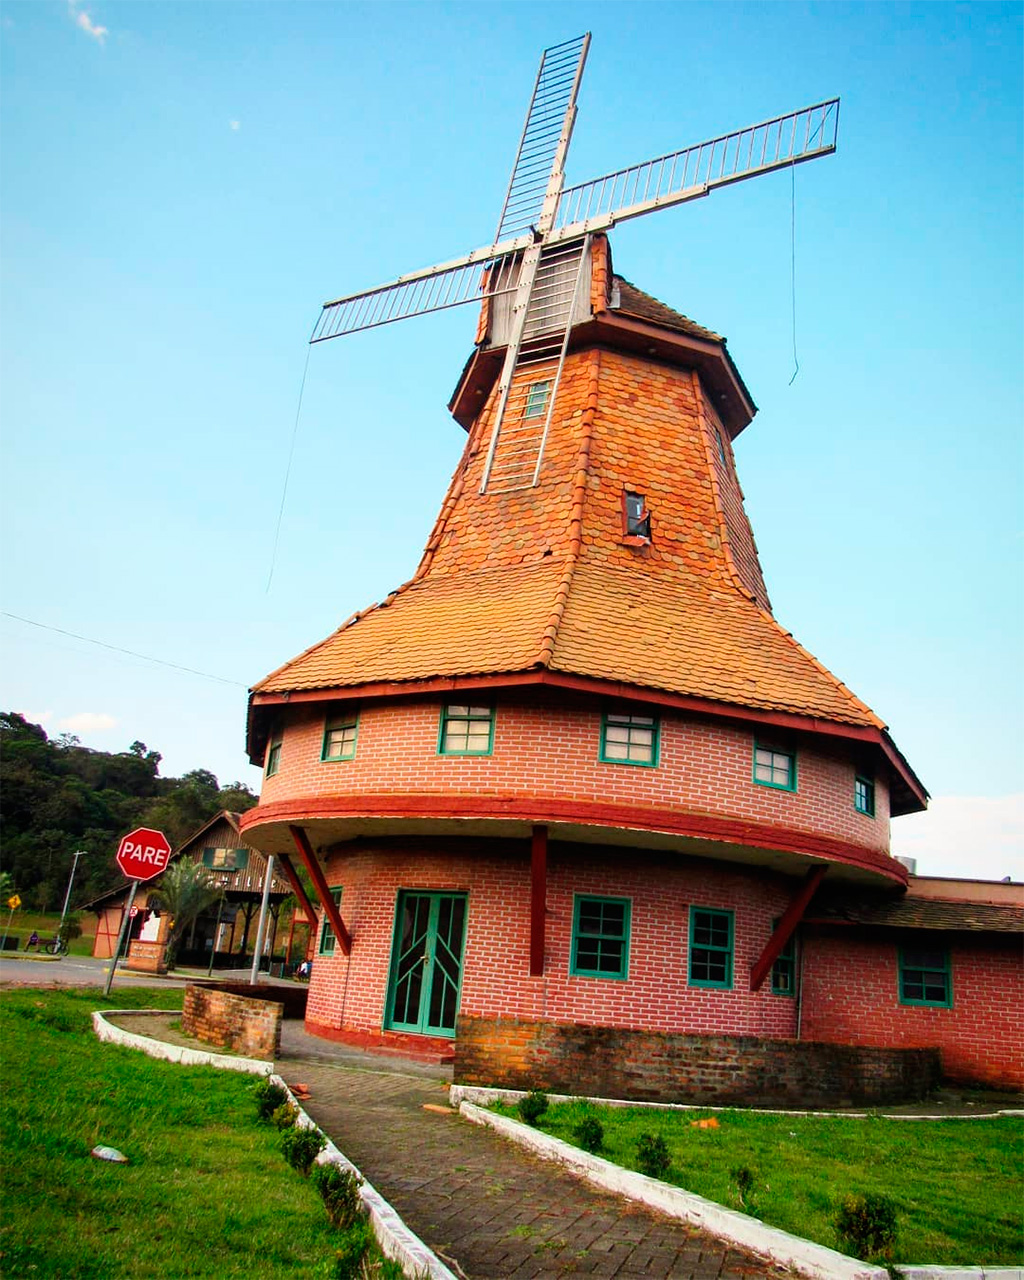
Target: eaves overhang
{"points": [[711, 359]]}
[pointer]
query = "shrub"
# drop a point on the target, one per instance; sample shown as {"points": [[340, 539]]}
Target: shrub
{"points": [[285, 1115], [302, 1146], [339, 1190], [652, 1157], [533, 1106], [589, 1133], [866, 1225], [268, 1097], [355, 1245], [743, 1181]]}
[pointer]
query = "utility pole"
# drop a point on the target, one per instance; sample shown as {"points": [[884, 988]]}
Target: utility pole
{"points": [[71, 880]]}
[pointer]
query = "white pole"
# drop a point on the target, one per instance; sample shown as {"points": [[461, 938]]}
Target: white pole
{"points": [[254, 975], [71, 880]]}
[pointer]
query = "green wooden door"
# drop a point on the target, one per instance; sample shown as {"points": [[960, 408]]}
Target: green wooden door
{"points": [[426, 962]]}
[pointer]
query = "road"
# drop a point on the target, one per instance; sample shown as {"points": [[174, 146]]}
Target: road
{"points": [[85, 971]]}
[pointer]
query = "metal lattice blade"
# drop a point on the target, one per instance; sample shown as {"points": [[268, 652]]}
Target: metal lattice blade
{"points": [[549, 122], [685, 175], [485, 272]]}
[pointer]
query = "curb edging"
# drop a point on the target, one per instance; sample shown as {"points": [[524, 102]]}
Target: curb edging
{"points": [[396, 1240], [809, 1259]]}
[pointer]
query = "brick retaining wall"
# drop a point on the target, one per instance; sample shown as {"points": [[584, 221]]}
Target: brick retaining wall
{"points": [[250, 1027], [616, 1062]]}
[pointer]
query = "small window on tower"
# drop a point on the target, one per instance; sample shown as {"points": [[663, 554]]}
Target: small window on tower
{"points": [[537, 399], [273, 757], [721, 446], [636, 517]]}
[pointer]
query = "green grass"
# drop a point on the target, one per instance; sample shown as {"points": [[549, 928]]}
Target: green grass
{"points": [[45, 924], [956, 1183], [207, 1192]]}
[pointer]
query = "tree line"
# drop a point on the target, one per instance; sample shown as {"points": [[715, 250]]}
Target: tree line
{"points": [[57, 796]]}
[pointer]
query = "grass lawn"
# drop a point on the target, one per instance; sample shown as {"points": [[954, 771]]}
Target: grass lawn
{"points": [[956, 1184], [45, 924], [207, 1192]]}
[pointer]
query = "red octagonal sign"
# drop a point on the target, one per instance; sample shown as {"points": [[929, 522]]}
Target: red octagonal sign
{"points": [[143, 854]]}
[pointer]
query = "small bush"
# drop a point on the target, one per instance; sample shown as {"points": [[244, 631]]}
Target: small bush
{"points": [[339, 1190], [589, 1133], [302, 1146], [268, 1097], [743, 1181], [533, 1106], [285, 1115], [652, 1157], [354, 1247], [866, 1225]]}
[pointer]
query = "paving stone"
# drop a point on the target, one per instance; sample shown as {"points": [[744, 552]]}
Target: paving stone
{"points": [[491, 1210]]}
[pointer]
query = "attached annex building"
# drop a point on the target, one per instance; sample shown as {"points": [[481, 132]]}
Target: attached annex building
{"points": [[579, 809]]}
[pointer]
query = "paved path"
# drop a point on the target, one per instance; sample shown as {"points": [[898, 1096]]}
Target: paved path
{"points": [[490, 1210]]}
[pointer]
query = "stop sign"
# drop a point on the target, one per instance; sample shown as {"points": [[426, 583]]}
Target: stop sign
{"points": [[143, 854]]}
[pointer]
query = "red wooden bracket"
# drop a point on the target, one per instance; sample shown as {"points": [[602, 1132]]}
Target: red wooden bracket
{"points": [[320, 885], [786, 927], [538, 898], [297, 886]]}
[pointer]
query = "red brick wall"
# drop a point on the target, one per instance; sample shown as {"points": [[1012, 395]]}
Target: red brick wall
{"points": [[714, 1070], [851, 996], [351, 992], [249, 1027], [546, 745]]}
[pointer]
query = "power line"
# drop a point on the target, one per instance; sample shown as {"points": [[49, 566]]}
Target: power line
{"points": [[117, 649]]}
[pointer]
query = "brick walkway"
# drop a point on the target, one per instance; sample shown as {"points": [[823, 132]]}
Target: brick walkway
{"points": [[489, 1210]]}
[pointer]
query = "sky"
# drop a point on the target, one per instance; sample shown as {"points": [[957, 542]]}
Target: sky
{"points": [[183, 185]]}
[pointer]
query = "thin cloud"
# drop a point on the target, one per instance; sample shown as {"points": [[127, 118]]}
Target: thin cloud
{"points": [[85, 23], [87, 722], [234, 125]]}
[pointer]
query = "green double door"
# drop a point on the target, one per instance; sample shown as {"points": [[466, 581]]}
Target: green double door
{"points": [[426, 962]]}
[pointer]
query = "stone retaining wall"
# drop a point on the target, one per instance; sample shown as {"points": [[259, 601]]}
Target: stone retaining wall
{"points": [[251, 1027], [614, 1062]]}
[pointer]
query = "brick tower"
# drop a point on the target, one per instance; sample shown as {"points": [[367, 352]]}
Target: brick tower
{"points": [[574, 773]]}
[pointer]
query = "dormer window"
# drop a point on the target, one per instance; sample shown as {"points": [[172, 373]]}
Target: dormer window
{"points": [[636, 517]]}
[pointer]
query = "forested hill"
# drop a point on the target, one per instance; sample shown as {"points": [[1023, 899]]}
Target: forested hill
{"points": [[57, 796]]}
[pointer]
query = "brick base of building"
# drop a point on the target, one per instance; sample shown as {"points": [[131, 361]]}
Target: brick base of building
{"points": [[249, 1027], [388, 1043], [714, 1070]]}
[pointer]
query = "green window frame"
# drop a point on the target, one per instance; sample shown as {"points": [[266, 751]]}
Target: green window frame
{"points": [[630, 739], [600, 937], [926, 977], [774, 766], [864, 794], [465, 730], [784, 968], [274, 753], [328, 938], [537, 396], [711, 941], [340, 733]]}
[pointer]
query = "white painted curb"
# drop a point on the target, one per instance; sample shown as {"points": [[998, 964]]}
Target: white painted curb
{"points": [[172, 1052], [395, 1238], [803, 1256], [961, 1273]]}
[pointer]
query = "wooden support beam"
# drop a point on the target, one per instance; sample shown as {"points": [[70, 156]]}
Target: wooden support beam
{"points": [[322, 891], [298, 889], [786, 927], [538, 898]]}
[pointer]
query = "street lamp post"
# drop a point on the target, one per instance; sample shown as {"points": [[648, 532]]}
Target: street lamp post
{"points": [[71, 880]]}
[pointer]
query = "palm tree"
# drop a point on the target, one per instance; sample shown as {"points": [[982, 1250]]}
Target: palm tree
{"points": [[186, 890]]}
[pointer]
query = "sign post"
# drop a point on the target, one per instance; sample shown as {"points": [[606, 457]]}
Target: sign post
{"points": [[141, 855]]}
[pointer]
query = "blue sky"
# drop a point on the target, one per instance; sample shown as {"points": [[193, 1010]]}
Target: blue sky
{"points": [[183, 185]]}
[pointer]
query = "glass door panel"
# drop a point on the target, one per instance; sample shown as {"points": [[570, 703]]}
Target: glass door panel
{"points": [[426, 963]]}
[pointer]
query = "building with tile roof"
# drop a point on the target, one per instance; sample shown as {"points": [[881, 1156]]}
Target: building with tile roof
{"points": [[574, 771]]}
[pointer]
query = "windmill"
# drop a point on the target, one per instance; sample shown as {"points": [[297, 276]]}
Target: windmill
{"points": [[533, 273]]}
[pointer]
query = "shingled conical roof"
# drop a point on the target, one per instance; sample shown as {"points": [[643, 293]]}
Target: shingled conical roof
{"points": [[547, 581]]}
